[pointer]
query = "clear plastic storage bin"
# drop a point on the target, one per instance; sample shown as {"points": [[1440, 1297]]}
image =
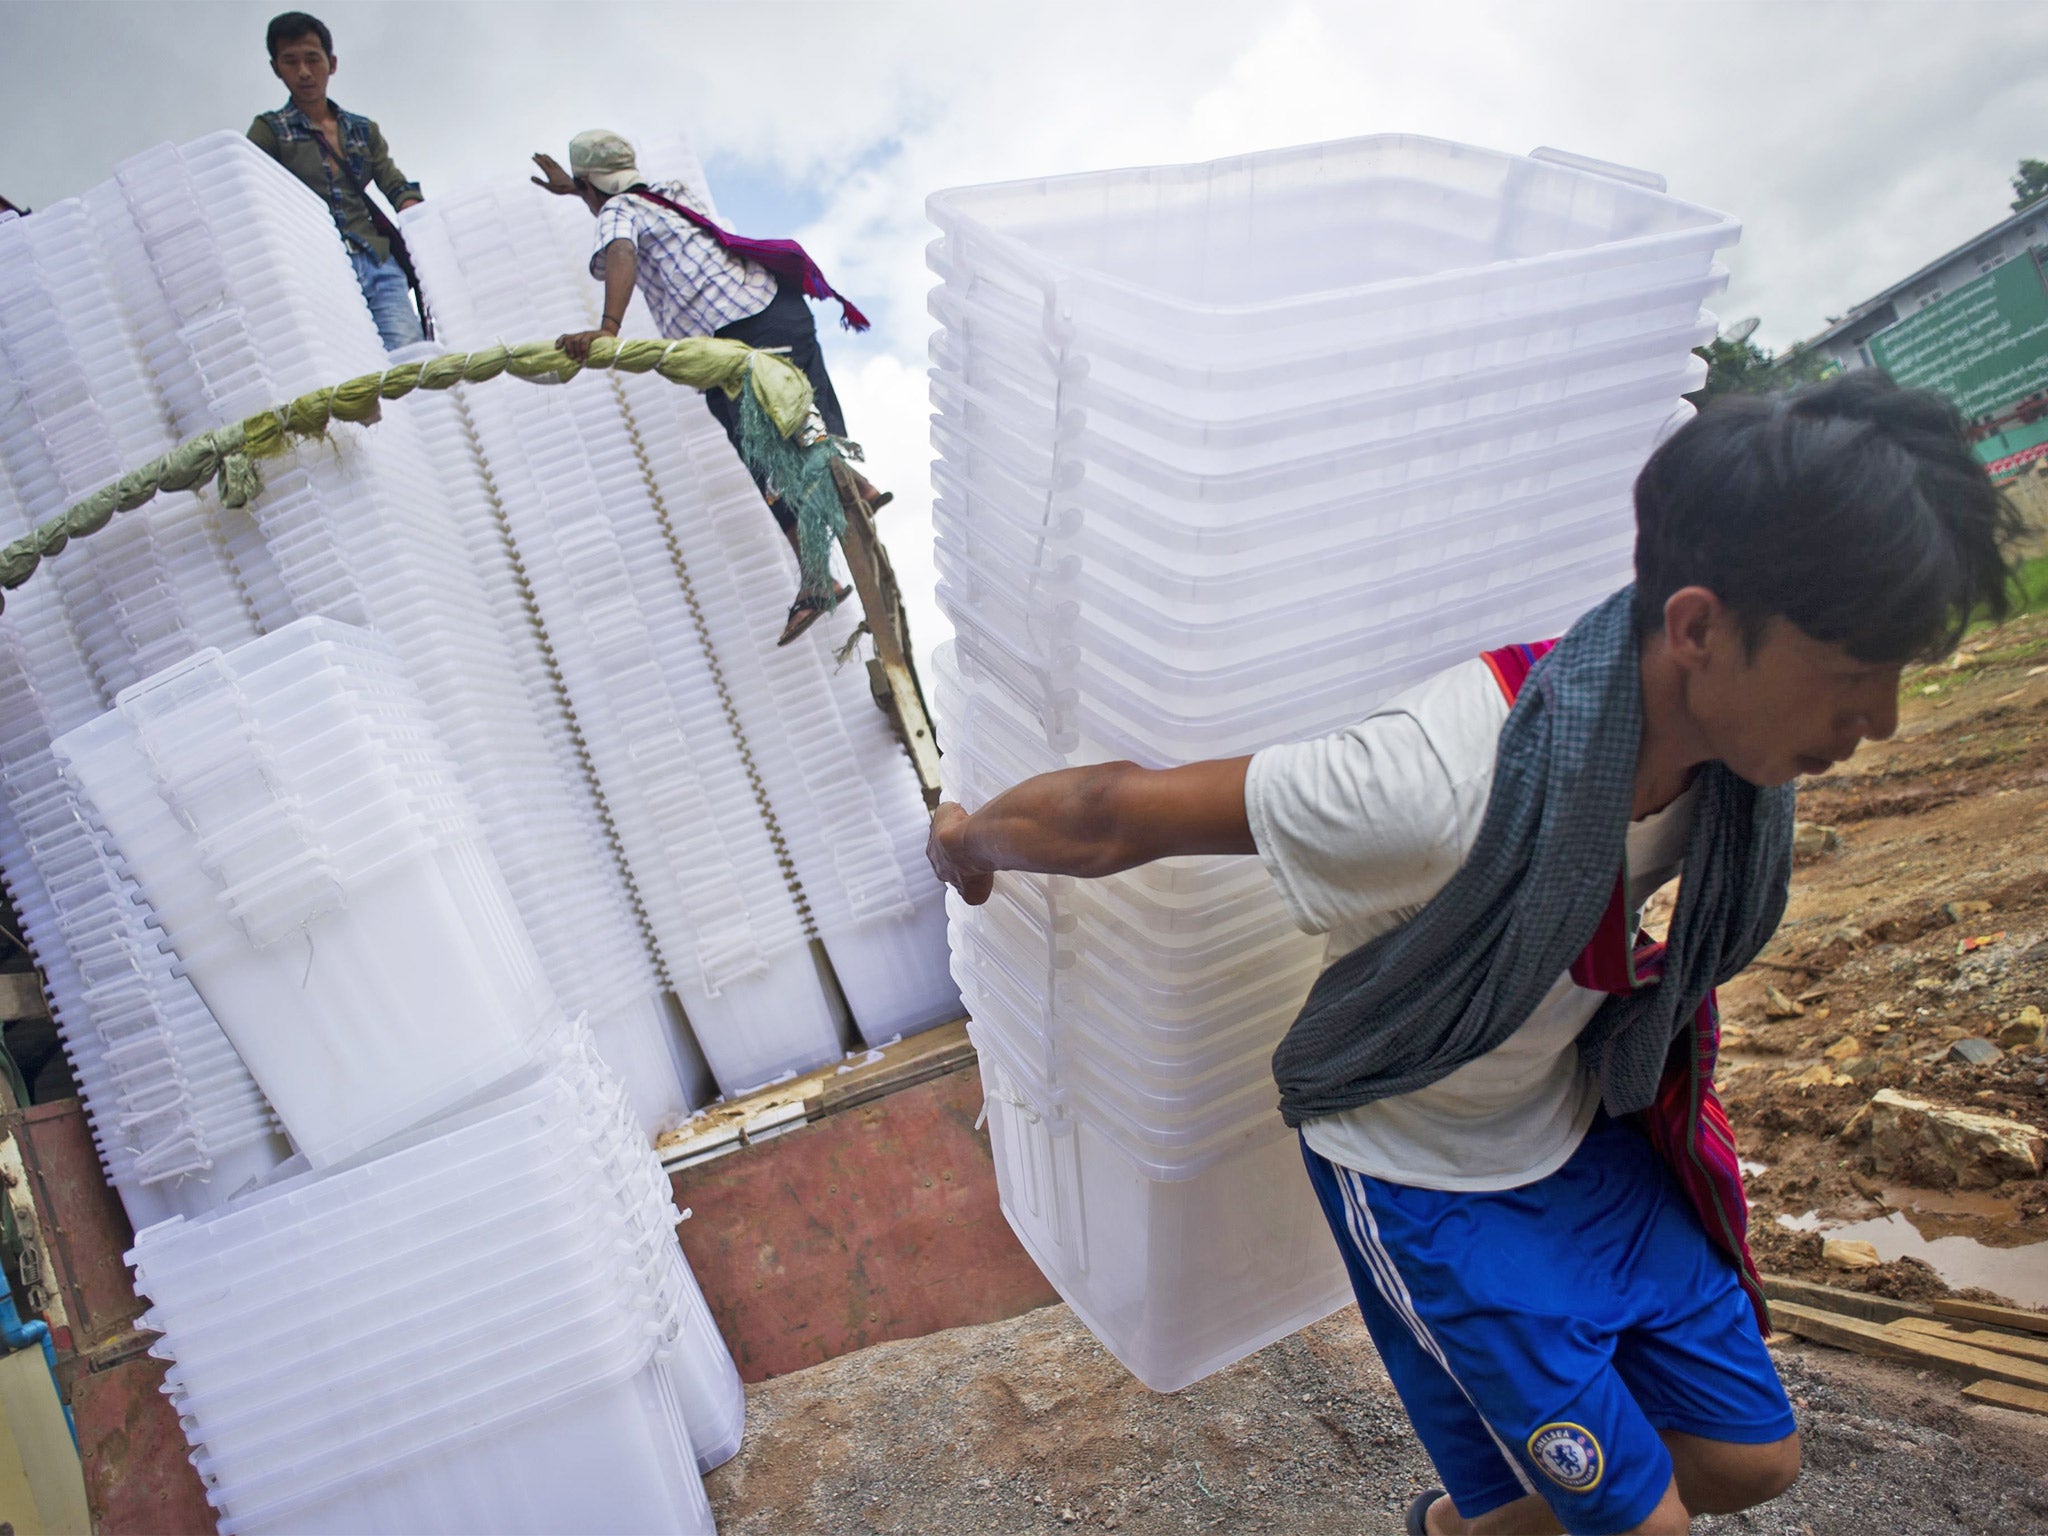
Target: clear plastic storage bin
{"points": [[1228, 455]]}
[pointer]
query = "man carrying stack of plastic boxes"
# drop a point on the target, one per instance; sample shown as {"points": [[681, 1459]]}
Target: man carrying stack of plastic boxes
{"points": [[1504, 1088]]}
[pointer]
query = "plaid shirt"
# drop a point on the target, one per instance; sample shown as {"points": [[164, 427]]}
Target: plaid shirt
{"points": [[290, 138], [692, 287]]}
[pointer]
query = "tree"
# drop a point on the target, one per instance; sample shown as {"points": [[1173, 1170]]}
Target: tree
{"points": [[1733, 368], [2030, 185], [1744, 368]]}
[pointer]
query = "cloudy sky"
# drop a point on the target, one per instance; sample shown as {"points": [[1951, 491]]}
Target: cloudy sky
{"points": [[1854, 141]]}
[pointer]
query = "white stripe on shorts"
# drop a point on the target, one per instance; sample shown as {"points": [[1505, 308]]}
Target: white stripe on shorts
{"points": [[1365, 1235]]}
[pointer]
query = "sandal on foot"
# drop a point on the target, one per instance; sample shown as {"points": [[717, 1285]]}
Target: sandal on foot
{"points": [[1418, 1511], [864, 488], [806, 611]]}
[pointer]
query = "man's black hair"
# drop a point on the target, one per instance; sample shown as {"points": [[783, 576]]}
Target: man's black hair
{"points": [[1854, 508], [292, 26]]}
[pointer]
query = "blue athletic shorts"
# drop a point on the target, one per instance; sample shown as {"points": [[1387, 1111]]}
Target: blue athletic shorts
{"points": [[1541, 1337]]}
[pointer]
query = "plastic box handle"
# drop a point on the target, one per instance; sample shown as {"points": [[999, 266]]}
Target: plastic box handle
{"points": [[1607, 168]]}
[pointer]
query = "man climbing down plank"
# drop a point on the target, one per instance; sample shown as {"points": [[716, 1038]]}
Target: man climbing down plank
{"points": [[700, 281], [1504, 1089]]}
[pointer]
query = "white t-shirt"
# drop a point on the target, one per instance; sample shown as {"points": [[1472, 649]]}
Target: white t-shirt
{"points": [[1359, 830]]}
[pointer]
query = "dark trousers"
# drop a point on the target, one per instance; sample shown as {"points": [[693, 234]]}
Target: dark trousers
{"points": [[786, 322]]}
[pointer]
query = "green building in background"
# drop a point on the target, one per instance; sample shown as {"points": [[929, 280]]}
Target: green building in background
{"points": [[1973, 325]]}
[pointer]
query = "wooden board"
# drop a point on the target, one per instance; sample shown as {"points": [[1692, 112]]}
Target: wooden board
{"points": [[782, 1107], [1965, 1362], [2003, 1394], [83, 1291], [1997, 1317], [2025, 1346], [21, 996], [891, 677], [1832, 1298]]}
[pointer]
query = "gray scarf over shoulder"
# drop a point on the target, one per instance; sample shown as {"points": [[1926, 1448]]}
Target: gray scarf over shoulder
{"points": [[1463, 974]]}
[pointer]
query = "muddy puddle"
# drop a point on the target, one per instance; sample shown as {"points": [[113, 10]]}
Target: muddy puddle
{"points": [[1967, 1239]]}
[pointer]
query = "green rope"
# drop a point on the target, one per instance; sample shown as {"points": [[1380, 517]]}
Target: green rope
{"points": [[774, 395]]}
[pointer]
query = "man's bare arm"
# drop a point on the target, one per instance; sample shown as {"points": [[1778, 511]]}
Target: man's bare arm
{"points": [[621, 271], [1091, 822]]}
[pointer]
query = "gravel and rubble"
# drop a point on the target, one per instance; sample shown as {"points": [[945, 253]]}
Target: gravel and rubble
{"points": [[1029, 1426]]}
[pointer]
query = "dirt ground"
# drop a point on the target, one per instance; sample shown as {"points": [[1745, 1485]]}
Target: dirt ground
{"points": [[1926, 925], [1030, 1426]]}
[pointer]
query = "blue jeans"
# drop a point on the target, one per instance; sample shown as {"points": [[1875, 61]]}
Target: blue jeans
{"points": [[389, 296]]}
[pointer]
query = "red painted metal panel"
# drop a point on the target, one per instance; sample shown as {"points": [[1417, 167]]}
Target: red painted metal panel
{"points": [[876, 1223], [84, 1227], [138, 1479], [137, 1475]]}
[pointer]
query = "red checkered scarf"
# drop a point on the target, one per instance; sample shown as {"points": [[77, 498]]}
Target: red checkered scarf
{"points": [[1686, 1122]]}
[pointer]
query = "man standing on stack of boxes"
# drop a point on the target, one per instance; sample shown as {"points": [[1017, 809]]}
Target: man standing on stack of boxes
{"points": [[338, 154]]}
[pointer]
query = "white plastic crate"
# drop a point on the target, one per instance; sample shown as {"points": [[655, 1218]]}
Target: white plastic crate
{"points": [[1177, 1278], [401, 1327], [366, 960], [374, 528], [176, 1119], [1229, 454]]}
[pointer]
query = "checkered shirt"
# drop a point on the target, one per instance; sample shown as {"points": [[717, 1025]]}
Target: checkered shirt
{"points": [[692, 287]]}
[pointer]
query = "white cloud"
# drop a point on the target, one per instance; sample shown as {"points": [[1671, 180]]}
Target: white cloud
{"points": [[1856, 141]]}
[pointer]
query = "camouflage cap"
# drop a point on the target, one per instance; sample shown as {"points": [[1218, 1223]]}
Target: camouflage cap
{"points": [[603, 159]]}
